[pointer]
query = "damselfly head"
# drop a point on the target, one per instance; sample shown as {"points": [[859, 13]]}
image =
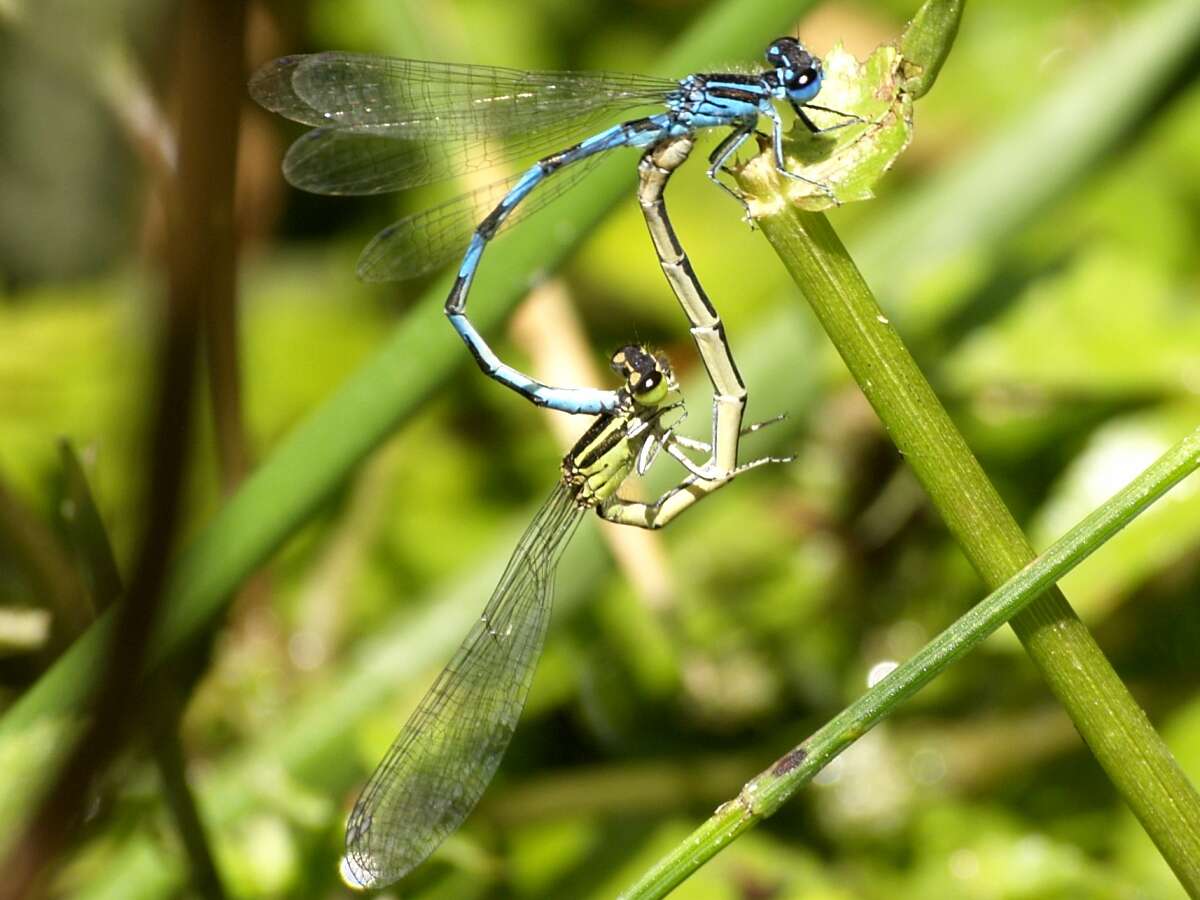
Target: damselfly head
{"points": [[798, 72], [648, 376]]}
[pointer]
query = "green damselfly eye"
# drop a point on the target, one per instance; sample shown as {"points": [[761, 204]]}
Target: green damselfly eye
{"points": [[650, 389], [647, 375]]}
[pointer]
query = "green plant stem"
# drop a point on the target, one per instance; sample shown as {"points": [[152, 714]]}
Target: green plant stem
{"points": [[765, 793], [181, 801], [48, 566], [86, 534], [926, 43], [1105, 714]]}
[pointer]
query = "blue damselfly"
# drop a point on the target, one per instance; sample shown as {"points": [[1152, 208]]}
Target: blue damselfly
{"points": [[385, 124]]}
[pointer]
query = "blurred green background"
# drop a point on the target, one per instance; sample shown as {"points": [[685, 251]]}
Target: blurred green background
{"points": [[1037, 247]]}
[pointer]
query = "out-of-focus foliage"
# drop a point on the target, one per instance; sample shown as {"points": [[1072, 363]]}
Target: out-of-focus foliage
{"points": [[1067, 347]]}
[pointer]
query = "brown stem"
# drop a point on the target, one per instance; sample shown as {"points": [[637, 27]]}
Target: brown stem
{"points": [[199, 246]]}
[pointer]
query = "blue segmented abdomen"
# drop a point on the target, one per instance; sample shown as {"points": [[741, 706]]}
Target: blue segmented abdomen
{"points": [[587, 401]]}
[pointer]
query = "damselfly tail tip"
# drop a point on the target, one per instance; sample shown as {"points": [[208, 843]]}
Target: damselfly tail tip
{"points": [[356, 876], [272, 80]]}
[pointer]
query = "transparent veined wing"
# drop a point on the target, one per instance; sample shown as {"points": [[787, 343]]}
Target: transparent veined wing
{"points": [[449, 749], [379, 160], [429, 239], [388, 124], [440, 100]]}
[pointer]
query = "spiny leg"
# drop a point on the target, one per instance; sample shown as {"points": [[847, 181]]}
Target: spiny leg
{"points": [[851, 118], [706, 447], [693, 488], [777, 146], [657, 514], [676, 451], [759, 426], [727, 148]]}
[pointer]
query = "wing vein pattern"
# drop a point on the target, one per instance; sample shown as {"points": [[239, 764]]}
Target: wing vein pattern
{"points": [[383, 124], [439, 765]]}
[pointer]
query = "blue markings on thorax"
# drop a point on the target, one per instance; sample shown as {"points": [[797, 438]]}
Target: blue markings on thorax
{"points": [[712, 101]]}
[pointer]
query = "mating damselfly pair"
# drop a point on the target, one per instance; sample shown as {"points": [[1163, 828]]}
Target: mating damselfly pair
{"points": [[385, 124]]}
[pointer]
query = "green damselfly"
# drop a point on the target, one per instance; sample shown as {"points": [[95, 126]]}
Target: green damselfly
{"points": [[447, 752]]}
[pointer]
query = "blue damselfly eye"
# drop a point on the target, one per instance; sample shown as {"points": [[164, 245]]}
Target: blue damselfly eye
{"points": [[805, 84]]}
